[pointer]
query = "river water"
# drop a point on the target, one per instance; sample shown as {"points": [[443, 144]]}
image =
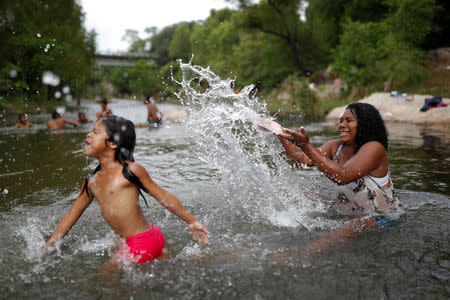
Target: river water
{"points": [[259, 209]]}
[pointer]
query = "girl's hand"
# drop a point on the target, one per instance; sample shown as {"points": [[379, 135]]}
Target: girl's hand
{"points": [[199, 232], [301, 137]]}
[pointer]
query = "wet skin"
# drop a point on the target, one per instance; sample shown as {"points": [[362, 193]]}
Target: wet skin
{"points": [[118, 197]]}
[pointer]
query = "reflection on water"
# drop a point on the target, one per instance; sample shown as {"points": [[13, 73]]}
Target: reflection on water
{"points": [[235, 179]]}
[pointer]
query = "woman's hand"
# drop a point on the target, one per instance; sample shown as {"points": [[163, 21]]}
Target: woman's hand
{"points": [[271, 126], [199, 232], [299, 137]]}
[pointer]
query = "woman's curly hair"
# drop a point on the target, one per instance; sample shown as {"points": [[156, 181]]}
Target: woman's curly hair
{"points": [[370, 125]]}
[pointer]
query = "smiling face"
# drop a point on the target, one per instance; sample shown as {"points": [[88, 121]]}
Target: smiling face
{"points": [[96, 141], [348, 125]]}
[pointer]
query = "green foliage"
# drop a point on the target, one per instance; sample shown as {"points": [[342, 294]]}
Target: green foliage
{"points": [[160, 44], [167, 73], [140, 79], [118, 78], [371, 52], [411, 20], [45, 36], [302, 97], [356, 57], [284, 25], [180, 46], [253, 61], [262, 42], [402, 62], [143, 78], [212, 42]]}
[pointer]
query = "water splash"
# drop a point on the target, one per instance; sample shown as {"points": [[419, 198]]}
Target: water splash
{"points": [[254, 178], [31, 232], [50, 78]]}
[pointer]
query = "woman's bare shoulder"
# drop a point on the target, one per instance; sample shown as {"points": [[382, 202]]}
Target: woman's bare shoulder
{"points": [[333, 143], [330, 147], [374, 145], [373, 148]]}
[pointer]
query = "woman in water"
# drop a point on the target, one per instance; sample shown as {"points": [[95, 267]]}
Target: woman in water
{"points": [[116, 184], [357, 161]]}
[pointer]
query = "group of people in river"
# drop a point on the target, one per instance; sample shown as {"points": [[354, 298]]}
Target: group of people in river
{"points": [[57, 122], [357, 161]]}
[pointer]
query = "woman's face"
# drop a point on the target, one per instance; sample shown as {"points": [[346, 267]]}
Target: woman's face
{"points": [[348, 125]]}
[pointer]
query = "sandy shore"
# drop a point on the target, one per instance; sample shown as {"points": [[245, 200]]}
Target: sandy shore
{"points": [[402, 110]]}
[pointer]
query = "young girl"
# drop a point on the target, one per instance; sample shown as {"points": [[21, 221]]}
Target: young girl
{"points": [[116, 184], [357, 162]]}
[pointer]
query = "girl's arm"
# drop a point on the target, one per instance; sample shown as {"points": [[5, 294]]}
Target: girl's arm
{"points": [[170, 202], [71, 217], [369, 156]]}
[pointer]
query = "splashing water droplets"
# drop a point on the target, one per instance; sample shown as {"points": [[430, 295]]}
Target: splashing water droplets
{"points": [[50, 78], [66, 89], [13, 73], [256, 180], [116, 137]]}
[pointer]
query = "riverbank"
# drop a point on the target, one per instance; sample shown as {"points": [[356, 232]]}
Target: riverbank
{"points": [[402, 110]]}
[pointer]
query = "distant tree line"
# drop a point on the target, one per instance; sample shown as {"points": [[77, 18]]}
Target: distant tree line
{"points": [[366, 42], [266, 42]]}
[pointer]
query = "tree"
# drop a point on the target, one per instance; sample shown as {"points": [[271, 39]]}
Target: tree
{"points": [[278, 18], [39, 40], [371, 52], [180, 45], [143, 78], [160, 44]]}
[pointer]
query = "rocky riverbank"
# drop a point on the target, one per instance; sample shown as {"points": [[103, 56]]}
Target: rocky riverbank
{"points": [[402, 110]]}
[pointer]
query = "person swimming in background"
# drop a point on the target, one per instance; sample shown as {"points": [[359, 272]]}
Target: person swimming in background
{"points": [[57, 122], [106, 111], [23, 124], [116, 184], [357, 162], [154, 116], [82, 119]]}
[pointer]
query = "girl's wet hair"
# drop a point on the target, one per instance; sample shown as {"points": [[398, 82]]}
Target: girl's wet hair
{"points": [[121, 132], [370, 125]]}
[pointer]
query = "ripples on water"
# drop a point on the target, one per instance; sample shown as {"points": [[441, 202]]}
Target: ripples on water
{"points": [[235, 179]]}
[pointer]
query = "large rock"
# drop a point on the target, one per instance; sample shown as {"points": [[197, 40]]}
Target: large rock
{"points": [[402, 110]]}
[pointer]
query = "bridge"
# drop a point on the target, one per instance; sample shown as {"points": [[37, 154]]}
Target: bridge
{"points": [[120, 59]]}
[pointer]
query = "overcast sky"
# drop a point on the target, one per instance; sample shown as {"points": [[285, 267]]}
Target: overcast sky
{"points": [[110, 18]]}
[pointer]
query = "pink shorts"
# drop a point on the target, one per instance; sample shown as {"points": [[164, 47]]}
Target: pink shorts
{"points": [[145, 246]]}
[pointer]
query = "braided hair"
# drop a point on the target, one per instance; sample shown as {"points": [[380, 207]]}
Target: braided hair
{"points": [[121, 132], [370, 125]]}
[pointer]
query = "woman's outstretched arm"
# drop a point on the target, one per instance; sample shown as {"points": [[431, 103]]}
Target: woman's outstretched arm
{"points": [[368, 158], [294, 152]]}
